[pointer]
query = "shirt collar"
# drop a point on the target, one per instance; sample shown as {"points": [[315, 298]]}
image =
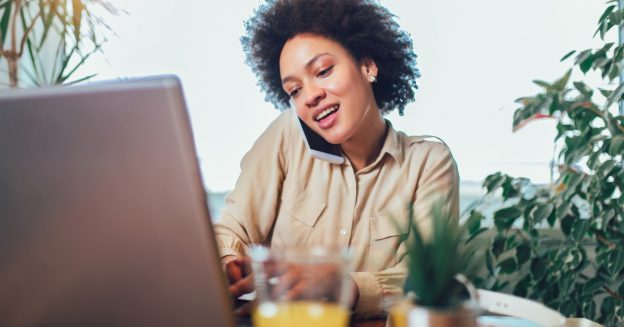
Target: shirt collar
{"points": [[392, 144]]}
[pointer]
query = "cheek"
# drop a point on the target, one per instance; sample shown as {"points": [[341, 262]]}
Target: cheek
{"points": [[342, 84], [300, 111], [350, 87]]}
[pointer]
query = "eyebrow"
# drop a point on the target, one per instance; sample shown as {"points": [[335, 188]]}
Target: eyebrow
{"points": [[308, 64]]}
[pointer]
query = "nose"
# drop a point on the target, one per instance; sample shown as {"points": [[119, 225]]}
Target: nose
{"points": [[313, 94]]}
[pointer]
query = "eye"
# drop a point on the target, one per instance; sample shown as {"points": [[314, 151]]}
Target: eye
{"points": [[294, 93], [325, 72]]}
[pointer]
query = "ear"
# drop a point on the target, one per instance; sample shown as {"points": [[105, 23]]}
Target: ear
{"points": [[369, 68]]}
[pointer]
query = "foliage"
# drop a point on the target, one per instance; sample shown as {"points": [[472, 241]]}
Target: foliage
{"points": [[563, 244], [55, 37], [434, 262]]}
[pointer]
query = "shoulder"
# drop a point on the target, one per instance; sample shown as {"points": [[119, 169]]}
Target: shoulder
{"points": [[279, 130], [274, 142], [283, 123], [425, 147]]}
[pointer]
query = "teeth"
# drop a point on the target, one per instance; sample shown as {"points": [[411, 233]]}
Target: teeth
{"points": [[326, 112]]}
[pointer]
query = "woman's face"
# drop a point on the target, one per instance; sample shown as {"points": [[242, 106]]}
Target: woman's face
{"points": [[330, 91]]}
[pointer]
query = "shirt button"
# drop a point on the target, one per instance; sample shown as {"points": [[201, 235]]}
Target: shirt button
{"points": [[343, 232]]}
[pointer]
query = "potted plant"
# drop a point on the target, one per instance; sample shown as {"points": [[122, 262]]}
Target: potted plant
{"points": [[44, 42], [562, 244], [439, 267]]}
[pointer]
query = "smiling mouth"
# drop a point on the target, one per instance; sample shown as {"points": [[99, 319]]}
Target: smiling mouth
{"points": [[326, 112]]}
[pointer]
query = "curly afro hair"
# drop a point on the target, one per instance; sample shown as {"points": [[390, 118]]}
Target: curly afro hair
{"points": [[365, 28]]}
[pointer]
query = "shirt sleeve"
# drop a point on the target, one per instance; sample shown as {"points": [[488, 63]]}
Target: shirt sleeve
{"points": [[250, 209], [438, 182]]}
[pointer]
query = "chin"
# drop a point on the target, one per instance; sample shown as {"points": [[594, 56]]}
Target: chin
{"points": [[335, 138]]}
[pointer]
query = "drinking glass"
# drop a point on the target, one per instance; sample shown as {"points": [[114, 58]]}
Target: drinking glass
{"points": [[301, 287]]}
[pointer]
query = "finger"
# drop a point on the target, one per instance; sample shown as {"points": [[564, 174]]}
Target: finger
{"points": [[245, 264], [241, 287], [233, 272], [275, 269], [298, 291], [286, 282]]}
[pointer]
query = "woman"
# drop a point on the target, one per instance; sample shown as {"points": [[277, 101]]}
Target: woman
{"points": [[341, 65]]}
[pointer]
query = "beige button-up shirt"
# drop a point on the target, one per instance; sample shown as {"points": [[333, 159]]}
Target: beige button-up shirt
{"points": [[286, 197]]}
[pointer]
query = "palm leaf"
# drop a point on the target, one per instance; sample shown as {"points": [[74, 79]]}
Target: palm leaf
{"points": [[4, 21], [80, 80], [62, 78], [35, 76], [77, 9], [47, 18]]}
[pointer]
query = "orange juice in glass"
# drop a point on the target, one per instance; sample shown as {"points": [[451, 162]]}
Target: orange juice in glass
{"points": [[301, 286]]}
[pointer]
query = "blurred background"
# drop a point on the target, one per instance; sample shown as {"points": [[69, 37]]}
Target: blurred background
{"points": [[476, 57]]}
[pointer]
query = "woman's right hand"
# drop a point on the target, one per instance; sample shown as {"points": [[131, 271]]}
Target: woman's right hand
{"points": [[239, 276]]}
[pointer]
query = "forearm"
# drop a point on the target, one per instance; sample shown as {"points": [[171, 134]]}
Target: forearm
{"points": [[375, 289]]}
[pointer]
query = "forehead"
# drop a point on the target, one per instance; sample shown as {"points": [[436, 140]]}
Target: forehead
{"points": [[299, 50]]}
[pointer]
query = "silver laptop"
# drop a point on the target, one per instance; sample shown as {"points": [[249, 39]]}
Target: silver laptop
{"points": [[103, 217]]}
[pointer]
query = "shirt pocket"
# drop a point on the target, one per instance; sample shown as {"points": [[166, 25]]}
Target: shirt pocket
{"points": [[387, 234], [297, 217]]}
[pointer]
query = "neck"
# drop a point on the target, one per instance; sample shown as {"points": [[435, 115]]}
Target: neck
{"points": [[364, 147]]}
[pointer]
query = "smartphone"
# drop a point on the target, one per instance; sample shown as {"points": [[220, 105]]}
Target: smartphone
{"points": [[317, 146]]}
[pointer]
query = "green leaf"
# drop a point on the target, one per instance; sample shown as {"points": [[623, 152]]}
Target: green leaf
{"points": [[614, 70], [561, 83], [523, 253], [584, 89], [615, 263], [499, 286], [601, 62], [605, 93], [567, 55], [582, 56], [564, 209], [523, 286], [542, 211], [568, 308], [543, 84], [592, 286], [602, 29], [498, 246], [566, 225], [47, 20], [4, 21], [82, 79], [617, 145], [474, 221], [565, 283], [608, 307], [508, 266], [589, 309], [579, 229], [572, 259], [606, 13], [586, 64], [615, 96], [606, 168], [504, 218], [511, 242], [489, 262], [552, 218], [493, 182], [476, 234]]}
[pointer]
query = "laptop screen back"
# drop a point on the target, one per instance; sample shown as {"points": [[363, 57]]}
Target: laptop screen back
{"points": [[103, 218]]}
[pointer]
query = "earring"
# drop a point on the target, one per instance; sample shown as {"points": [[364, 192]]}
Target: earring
{"points": [[372, 79]]}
